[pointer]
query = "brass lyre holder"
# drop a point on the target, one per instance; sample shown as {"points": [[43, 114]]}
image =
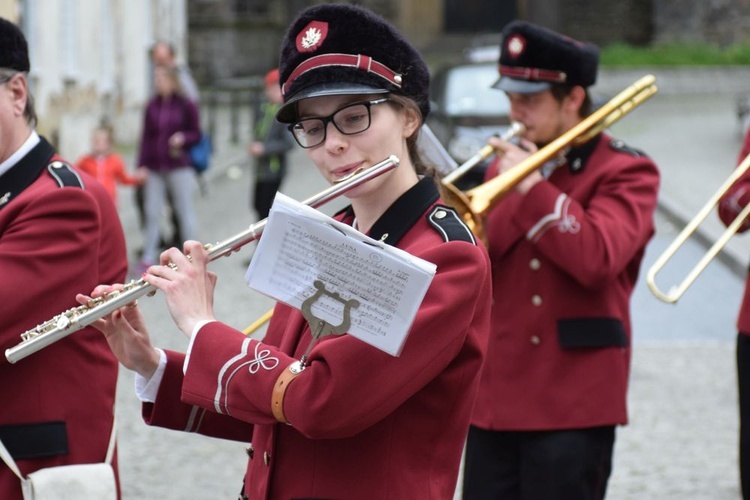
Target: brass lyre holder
{"points": [[77, 318], [319, 327]]}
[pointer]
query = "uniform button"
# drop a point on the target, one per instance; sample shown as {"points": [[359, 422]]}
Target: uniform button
{"points": [[440, 214], [535, 340], [266, 458], [535, 264], [536, 300], [57, 164]]}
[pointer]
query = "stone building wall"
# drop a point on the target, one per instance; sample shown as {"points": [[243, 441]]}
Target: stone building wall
{"points": [[722, 22]]}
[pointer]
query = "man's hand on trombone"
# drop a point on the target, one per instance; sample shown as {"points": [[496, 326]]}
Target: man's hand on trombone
{"points": [[510, 155]]}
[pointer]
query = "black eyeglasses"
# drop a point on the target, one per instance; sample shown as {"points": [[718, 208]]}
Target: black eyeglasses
{"points": [[349, 120]]}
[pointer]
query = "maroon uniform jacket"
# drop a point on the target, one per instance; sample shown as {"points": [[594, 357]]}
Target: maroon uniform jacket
{"points": [[363, 424], [59, 235], [565, 258], [730, 205]]}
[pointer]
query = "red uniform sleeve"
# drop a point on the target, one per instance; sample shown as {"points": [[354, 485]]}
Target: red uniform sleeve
{"points": [[738, 195], [170, 412], [348, 385], [593, 243]]}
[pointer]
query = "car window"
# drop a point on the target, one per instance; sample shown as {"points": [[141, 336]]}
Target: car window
{"points": [[468, 91]]}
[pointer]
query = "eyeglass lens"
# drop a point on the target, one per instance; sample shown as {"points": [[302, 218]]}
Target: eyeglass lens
{"points": [[348, 120]]}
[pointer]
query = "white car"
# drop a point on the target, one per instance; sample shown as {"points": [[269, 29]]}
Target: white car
{"points": [[466, 111]]}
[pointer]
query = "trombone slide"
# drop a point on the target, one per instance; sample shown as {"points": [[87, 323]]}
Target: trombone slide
{"points": [[80, 317], [515, 130], [676, 291]]}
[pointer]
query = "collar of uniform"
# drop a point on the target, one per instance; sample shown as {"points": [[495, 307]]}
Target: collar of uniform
{"points": [[577, 157], [23, 173], [405, 211]]}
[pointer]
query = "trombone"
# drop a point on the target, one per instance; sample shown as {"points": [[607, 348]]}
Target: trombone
{"points": [[474, 205], [515, 130], [676, 291]]}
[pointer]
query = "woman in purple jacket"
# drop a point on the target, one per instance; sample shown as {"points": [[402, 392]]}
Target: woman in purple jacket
{"points": [[170, 127]]}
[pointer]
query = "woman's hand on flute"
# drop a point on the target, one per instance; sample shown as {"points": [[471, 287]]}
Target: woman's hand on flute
{"points": [[126, 334], [187, 285]]}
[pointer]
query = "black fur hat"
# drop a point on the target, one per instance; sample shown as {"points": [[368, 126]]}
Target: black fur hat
{"points": [[14, 53], [532, 58], [335, 49]]}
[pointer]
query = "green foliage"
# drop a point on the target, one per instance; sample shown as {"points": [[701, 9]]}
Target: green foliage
{"points": [[684, 54]]}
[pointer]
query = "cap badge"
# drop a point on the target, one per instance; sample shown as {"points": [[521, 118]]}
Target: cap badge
{"points": [[312, 36], [516, 45]]}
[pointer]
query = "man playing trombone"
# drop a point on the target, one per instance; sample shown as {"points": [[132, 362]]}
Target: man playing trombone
{"points": [[566, 246], [731, 203]]}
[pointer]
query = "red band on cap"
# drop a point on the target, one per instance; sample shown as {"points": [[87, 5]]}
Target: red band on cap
{"points": [[534, 74], [357, 61]]}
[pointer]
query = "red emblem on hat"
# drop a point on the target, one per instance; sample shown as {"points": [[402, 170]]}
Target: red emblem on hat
{"points": [[515, 45], [312, 36]]}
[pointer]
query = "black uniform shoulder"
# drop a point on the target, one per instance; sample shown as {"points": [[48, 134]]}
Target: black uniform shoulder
{"points": [[619, 146], [64, 174], [446, 221]]}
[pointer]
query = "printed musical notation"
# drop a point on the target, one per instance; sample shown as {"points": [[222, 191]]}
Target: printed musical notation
{"points": [[300, 245]]}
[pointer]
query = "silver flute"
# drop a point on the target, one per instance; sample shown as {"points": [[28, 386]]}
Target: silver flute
{"points": [[82, 316]]}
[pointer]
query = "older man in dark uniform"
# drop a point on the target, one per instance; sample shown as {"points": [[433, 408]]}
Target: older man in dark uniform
{"points": [[59, 235], [566, 247]]}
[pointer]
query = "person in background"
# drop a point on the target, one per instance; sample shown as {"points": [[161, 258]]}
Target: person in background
{"points": [[270, 147], [59, 235], [730, 205], [163, 53], [106, 166], [356, 422], [566, 247], [170, 127]]}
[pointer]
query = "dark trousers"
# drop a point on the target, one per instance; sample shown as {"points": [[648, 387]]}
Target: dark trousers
{"points": [[538, 465], [263, 194], [743, 389]]}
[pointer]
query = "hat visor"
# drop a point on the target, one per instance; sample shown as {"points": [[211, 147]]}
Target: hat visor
{"points": [[288, 111], [517, 86]]}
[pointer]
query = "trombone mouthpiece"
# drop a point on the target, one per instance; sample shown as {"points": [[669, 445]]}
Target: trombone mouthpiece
{"points": [[515, 130]]}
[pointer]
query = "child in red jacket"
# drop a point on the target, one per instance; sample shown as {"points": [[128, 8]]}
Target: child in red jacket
{"points": [[107, 166]]}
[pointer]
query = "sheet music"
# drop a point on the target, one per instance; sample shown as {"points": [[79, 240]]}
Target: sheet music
{"points": [[300, 245]]}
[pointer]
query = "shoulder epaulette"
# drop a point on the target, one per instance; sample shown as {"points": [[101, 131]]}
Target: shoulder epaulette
{"points": [[447, 222], [64, 174], [620, 146]]}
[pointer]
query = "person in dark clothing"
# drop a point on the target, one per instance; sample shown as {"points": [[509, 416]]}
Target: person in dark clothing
{"points": [[269, 148]]}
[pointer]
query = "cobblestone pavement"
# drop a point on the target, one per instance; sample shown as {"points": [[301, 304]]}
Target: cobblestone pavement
{"points": [[681, 440]]}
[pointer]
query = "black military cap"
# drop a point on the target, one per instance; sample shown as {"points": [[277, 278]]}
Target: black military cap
{"points": [[336, 49], [14, 53], [532, 58]]}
